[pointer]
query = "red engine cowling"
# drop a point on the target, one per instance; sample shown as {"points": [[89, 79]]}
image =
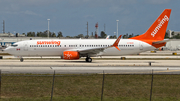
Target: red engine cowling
{"points": [[70, 55]]}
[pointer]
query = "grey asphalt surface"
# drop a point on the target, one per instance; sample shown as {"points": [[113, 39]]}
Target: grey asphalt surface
{"points": [[97, 66]]}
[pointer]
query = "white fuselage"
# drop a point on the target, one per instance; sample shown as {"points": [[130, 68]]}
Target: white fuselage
{"points": [[31, 48]]}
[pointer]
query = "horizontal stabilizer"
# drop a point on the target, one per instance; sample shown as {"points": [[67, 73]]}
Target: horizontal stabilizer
{"points": [[163, 41]]}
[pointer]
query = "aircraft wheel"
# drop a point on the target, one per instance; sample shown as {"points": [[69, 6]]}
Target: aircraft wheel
{"points": [[88, 60], [21, 59]]}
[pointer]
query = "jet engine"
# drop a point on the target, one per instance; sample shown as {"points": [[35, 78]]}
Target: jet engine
{"points": [[70, 55]]}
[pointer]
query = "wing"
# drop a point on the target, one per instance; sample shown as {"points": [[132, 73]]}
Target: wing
{"points": [[96, 50], [92, 50]]}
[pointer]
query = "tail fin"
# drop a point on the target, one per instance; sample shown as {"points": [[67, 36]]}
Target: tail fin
{"points": [[158, 28]]}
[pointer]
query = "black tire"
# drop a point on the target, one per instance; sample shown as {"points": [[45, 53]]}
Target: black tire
{"points": [[89, 60], [21, 59]]}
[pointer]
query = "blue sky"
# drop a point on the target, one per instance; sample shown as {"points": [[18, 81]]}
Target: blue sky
{"points": [[71, 16]]}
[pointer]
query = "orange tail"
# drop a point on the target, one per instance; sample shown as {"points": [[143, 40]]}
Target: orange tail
{"points": [[158, 28]]}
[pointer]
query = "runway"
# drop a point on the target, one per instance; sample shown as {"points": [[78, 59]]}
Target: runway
{"points": [[97, 66], [93, 70]]}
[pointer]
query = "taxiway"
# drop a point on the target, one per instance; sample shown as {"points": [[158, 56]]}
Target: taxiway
{"points": [[97, 66]]}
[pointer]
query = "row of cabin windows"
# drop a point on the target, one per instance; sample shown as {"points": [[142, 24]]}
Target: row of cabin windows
{"points": [[94, 45], [80, 45], [45, 45], [126, 45]]}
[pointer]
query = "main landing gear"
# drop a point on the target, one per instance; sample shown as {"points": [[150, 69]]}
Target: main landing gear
{"points": [[21, 59], [88, 59]]}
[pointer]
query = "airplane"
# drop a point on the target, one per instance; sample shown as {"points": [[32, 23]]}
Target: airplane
{"points": [[71, 49]]}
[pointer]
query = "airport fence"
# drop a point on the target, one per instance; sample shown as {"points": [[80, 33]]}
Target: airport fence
{"points": [[89, 87]]}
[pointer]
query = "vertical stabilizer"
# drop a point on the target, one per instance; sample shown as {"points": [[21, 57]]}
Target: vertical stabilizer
{"points": [[158, 28]]}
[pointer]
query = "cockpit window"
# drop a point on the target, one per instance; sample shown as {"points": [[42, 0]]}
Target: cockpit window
{"points": [[14, 45]]}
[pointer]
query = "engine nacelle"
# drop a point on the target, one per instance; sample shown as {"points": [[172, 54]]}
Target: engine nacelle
{"points": [[70, 55]]}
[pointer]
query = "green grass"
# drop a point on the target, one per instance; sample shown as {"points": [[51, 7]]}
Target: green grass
{"points": [[88, 88]]}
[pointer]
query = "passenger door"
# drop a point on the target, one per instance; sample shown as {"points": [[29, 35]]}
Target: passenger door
{"points": [[25, 46], [140, 46]]}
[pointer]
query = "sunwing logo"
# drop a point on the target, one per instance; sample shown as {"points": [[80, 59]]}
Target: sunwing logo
{"points": [[48, 42], [68, 55], [159, 25]]}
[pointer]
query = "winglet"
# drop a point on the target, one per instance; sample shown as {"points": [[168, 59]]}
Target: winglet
{"points": [[107, 37], [117, 42]]}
